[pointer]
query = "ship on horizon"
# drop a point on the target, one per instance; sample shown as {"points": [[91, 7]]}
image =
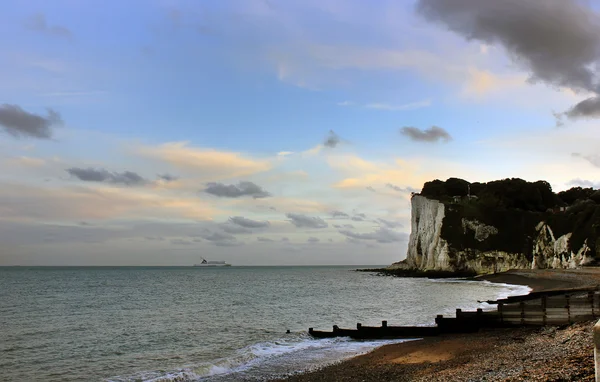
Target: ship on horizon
{"points": [[204, 263]]}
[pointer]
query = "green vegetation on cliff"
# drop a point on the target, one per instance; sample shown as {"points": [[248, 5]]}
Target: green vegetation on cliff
{"points": [[515, 207]]}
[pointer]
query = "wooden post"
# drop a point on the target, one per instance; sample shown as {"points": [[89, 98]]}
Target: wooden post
{"points": [[358, 326], [458, 312], [591, 298], [310, 330], [522, 307], [544, 304], [500, 311], [335, 328], [597, 350], [384, 324], [567, 297]]}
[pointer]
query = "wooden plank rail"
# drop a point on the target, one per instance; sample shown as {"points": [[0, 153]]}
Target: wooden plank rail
{"points": [[536, 309]]}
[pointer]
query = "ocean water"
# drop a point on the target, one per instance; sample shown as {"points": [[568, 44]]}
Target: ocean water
{"points": [[203, 324]]}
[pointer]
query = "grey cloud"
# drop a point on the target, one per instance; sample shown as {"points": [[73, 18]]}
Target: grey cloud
{"points": [[154, 238], [343, 226], [127, 178], [584, 183], [588, 108], [167, 177], [85, 224], [389, 223], [285, 239], [264, 239], [38, 23], [339, 214], [332, 140], [330, 240], [400, 189], [594, 160], [218, 236], [371, 189], [234, 229], [228, 243], [381, 235], [222, 239], [233, 191], [181, 242], [312, 240], [248, 223], [359, 217], [20, 123], [558, 42], [353, 240], [433, 134], [300, 220]]}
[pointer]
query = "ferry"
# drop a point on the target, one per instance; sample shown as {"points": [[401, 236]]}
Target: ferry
{"points": [[204, 263]]}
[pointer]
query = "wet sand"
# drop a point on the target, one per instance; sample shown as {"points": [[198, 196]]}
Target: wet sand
{"points": [[521, 354]]}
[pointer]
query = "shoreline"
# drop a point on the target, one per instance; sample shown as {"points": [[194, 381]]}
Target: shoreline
{"points": [[528, 353]]}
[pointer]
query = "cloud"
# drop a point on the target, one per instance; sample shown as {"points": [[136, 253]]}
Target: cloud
{"points": [[211, 164], [358, 218], [181, 242], [381, 235], [86, 203], [332, 140], [312, 240], [38, 23], [20, 123], [264, 239], [248, 223], [481, 82], [360, 173], [369, 188], [300, 220], [234, 229], [389, 223], [406, 106], [584, 183], [339, 214], [594, 160], [400, 189], [233, 191], [588, 108], [167, 177], [345, 103], [557, 42], [222, 239], [433, 134], [127, 178], [285, 239]]}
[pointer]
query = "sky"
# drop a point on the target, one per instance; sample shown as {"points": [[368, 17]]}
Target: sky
{"points": [[272, 132]]}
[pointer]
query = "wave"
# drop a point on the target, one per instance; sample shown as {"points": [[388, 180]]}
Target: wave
{"points": [[270, 359]]}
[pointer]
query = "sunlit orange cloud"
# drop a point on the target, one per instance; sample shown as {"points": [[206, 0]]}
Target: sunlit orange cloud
{"points": [[206, 163], [361, 173], [40, 204]]}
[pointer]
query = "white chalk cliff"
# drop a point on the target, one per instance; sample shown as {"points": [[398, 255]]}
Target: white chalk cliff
{"points": [[427, 250]]}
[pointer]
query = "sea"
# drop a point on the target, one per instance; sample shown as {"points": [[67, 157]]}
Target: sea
{"points": [[205, 324]]}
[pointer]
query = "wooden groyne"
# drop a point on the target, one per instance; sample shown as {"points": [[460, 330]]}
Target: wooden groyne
{"points": [[555, 307]]}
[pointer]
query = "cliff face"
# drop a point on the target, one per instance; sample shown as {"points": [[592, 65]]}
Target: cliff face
{"points": [[450, 237]]}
